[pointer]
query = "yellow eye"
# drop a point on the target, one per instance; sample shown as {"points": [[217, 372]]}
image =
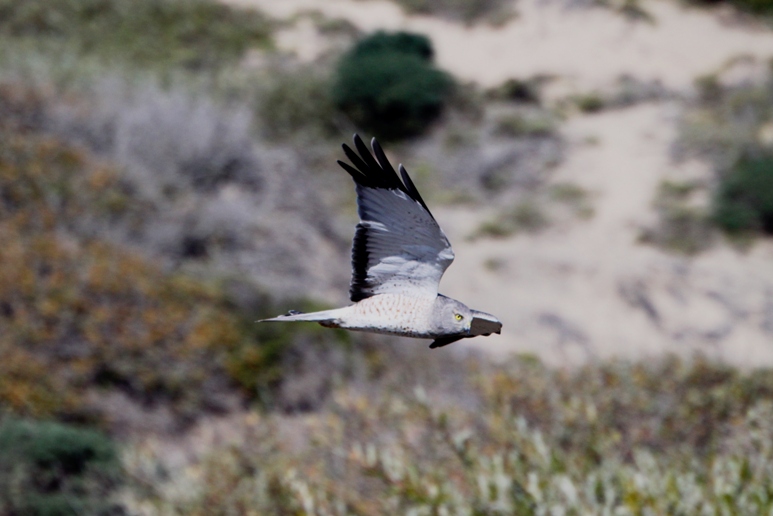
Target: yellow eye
{"points": [[458, 317]]}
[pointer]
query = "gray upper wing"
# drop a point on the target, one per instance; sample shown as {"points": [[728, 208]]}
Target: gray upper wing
{"points": [[398, 246]]}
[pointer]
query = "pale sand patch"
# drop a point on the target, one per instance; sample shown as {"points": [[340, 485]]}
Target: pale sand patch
{"points": [[589, 47]]}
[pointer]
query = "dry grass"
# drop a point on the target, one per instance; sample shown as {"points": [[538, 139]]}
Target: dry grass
{"points": [[194, 34], [667, 438], [79, 312], [84, 317], [494, 12]]}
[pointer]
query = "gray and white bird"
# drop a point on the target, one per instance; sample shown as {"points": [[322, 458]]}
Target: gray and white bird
{"points": [[399, 254]]}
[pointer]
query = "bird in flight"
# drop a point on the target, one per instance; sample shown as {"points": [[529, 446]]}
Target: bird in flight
{"points": [[399, 254]]}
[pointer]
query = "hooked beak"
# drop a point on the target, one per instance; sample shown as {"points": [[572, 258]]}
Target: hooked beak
{"points": [[484, 324]]}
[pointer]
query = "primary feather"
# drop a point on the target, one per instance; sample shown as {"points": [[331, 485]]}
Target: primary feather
{"points": [[398, 245]]}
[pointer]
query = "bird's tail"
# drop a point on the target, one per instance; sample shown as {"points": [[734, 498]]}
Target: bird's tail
{"points": [[329, 318]]}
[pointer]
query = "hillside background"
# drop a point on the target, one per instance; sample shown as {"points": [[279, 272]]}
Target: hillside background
{"points": [[603, 169]]}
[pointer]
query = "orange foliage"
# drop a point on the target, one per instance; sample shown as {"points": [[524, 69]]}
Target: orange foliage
{"points": [[76, 311]]}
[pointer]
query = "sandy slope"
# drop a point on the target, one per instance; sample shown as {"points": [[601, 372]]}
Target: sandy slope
{"points": [[587, 289], [588, 47], [590, 290]]}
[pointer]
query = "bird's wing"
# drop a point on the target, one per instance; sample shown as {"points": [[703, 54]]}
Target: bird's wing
{"points": [[398, 247]]}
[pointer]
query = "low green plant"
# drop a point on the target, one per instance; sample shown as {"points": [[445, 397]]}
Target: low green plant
{"points": [[495, 12], [589, 102], [681, 227], [744, 198], [388, 86], [525, 216], [525, 91], [55, 469], [522, 125], [728, 125], [759, 7], [574, 197]]}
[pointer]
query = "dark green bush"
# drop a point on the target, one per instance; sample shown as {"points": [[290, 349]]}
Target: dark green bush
{"points": [[402, 42], [752, 6], [50, 468], [388, 86], [744, 199], [191, 33]]}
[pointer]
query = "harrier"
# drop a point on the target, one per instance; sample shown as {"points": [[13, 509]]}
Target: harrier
{"points": [[399, 255]]}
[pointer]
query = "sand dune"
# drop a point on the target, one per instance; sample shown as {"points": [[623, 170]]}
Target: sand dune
{"points": [[589, 47]]}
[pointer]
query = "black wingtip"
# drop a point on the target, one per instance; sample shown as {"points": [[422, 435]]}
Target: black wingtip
{"points": [[381, 156], [372, 173], [412, 190]]}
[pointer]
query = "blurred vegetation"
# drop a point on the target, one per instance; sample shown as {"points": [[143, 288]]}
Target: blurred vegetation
{"points": [[88, 311], [525, 124], [731, 125], [762, 7], [574, 197], [525, 216], [744, 200], [554, 204], [388, 86], [589, 102], [79, 312], [495, 12], [682, 227], [625, 92], [82, 314], [526, 91], [194, 34], [670, 437], [55, 469], [293, 102]]}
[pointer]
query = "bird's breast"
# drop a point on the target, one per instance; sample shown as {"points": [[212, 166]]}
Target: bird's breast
{"points": [[393, 314]]}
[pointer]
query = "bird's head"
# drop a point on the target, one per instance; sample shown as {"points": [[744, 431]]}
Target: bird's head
{"points": [[451, 317]]}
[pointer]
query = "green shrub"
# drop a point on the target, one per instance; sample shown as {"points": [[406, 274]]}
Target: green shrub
{"points": [[744, 199], [387, 85], [191, 33], [50, 468], [752, 6]]}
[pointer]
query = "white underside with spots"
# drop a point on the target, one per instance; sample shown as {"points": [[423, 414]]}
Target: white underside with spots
{"points": [[392, 314]]}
